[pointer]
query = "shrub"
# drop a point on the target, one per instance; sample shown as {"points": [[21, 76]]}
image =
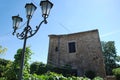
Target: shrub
{"points": [[55, 76], [98, 78], [90, 74], [2, 78], [116, 72]]}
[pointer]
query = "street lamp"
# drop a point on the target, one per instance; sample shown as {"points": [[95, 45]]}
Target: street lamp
{"points": [[28, 31]]}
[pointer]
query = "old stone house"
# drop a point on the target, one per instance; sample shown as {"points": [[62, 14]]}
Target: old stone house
{"points": [[82, 51]]}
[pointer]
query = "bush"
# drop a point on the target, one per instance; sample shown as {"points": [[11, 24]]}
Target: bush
{"points": [[98, 78], [40, 68], [3, 78], [116, 72], [90, 74], [55, 76]]}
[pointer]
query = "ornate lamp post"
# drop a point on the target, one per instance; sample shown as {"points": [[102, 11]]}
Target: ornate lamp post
{"points": [[28, 31]]}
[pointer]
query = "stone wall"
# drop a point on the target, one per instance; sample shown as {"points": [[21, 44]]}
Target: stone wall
{"points": [[88, 54]]}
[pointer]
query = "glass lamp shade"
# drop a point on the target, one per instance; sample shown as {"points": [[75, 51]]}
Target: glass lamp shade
{"points": [[30, 9], [16, 21], [46, 7]]}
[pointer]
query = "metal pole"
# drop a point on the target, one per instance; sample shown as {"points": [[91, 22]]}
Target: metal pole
{"points": [[22, 60], [23, 50]]}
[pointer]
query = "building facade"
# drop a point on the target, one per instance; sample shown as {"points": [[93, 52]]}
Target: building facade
{"points": [[82, 51]]}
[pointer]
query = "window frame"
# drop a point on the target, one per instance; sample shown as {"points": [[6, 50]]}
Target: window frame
{"points": [[75, 47]]}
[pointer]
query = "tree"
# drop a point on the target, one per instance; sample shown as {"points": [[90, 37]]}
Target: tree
{"points": [[13, 72], [4, 66], [2, 50], [116, 72], [110, 56], [38, 68], [118, 58]]}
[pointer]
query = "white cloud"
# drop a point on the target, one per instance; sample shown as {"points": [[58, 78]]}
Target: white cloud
{"points": [[109, 34]]}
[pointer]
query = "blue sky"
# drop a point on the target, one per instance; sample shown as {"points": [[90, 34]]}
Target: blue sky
{"points": [[66, 16]]}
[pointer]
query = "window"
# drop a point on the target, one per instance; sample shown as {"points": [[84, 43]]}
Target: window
{"points": [[56, 49], [71, 46]]}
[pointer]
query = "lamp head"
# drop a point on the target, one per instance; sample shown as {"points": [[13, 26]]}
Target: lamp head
{"points": [[46, 7], [30, 9], [16, 21]]}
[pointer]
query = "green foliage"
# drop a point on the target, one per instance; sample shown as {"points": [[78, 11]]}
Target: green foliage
{"points": [[40, 68], [90, 74], [118, 58], [4, 64], [110, 56], [10, 74], [2, 50], [98, 78], [13, 72], [2, 78], [55, 76], [116, 72]]}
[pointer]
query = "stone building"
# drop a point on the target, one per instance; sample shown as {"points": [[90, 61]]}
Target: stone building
{"points": [[82, 51]]}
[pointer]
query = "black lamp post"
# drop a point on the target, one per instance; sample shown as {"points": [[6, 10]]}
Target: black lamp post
{"points": [[27, 31]]}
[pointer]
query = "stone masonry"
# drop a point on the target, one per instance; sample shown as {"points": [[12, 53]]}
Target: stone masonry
{"points": [[82, 51]]}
